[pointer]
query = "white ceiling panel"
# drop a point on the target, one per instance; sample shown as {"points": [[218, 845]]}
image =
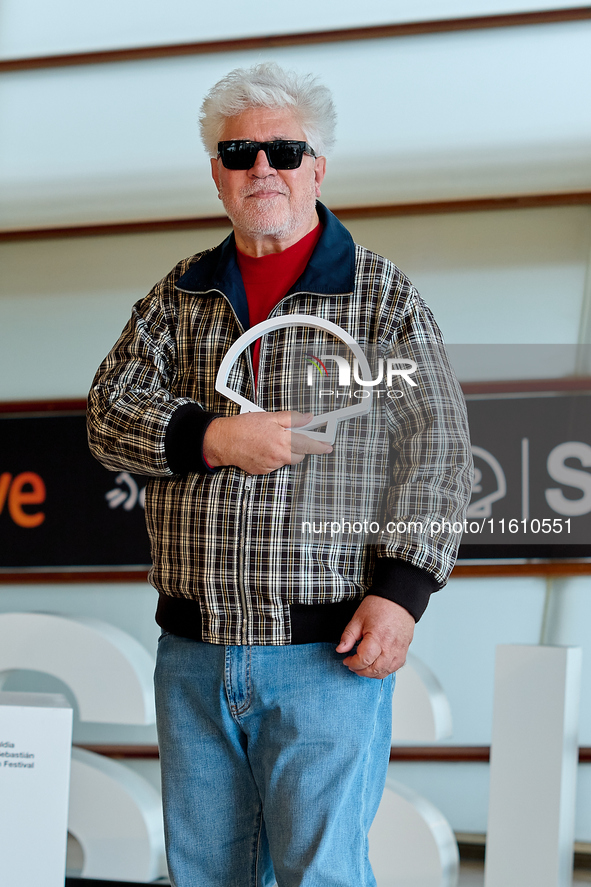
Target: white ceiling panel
{"points": [[430, 117], [31, 28]]}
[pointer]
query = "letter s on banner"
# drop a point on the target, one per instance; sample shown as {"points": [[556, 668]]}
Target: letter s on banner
{"points": [[571, 477]]}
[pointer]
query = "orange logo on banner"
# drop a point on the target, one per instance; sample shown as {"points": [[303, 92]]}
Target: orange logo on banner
{"points": [[25, 489]]}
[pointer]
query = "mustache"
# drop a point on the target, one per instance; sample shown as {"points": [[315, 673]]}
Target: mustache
{"points": [[256, 188]]}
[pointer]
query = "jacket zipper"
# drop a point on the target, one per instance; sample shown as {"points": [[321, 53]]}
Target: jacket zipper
{"points": [[242, 556]]}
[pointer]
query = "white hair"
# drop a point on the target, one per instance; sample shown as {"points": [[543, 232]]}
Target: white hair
{"points": [[269, 86]]}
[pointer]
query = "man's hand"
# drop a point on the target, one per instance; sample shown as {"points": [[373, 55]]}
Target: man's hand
{"points": [[259, 442], [385, 630]]}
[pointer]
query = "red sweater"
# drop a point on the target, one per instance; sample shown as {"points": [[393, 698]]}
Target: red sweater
{"points": [[268, 278]]}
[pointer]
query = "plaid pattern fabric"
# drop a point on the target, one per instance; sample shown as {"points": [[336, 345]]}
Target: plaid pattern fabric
{"points": [[226, 539]]}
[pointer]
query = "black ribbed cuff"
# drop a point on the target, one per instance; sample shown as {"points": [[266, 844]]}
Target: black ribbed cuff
{"points": [[183, 443], [403, 583]]}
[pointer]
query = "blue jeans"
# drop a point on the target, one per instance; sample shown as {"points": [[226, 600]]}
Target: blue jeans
{"points": [[273, 764]]}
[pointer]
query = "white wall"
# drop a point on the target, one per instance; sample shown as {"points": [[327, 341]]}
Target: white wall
{"points": [[513, 277], [63, 304]]}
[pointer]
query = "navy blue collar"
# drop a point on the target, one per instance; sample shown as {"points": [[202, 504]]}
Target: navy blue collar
{"points": [[330, 271]]}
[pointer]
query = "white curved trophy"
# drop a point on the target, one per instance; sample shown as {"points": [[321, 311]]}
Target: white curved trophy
{"points": [[107, 670], [331, 419]]}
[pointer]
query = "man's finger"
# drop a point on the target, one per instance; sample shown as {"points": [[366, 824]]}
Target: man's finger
{"points": [[300, 443], [291, 418], [351, 634], [368, 652], [379, 668], [298, 419], [370, 660]]}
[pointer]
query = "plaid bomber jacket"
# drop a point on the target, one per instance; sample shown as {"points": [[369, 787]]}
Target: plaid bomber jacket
{"points": [[229, 544]]}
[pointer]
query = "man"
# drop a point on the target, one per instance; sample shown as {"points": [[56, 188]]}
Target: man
{"points": [[276, 662]]}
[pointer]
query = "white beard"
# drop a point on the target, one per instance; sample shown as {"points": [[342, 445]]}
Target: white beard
{"points": [[274, 217]]}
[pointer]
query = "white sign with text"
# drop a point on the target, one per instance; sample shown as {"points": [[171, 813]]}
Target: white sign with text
{"points": [[35, 745]]}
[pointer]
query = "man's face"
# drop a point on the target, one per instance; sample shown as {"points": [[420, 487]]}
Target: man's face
{"points": [[268, 205]]}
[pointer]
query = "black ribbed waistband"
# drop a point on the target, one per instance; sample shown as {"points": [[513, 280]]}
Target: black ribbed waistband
{"points": [[310, 623]]}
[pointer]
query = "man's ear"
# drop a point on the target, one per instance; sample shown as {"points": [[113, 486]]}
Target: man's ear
{"points": [[319, 173], [215, 174]]}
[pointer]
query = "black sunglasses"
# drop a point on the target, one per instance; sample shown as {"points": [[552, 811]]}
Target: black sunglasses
{"points": [[281, 154]]}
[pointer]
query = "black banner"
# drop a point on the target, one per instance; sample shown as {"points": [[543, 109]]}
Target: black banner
{"points": [[532, 485], [532, 495], [58, 506]]}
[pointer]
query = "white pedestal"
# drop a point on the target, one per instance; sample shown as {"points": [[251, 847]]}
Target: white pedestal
{"points": [[35, 749], [533, 767]]}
